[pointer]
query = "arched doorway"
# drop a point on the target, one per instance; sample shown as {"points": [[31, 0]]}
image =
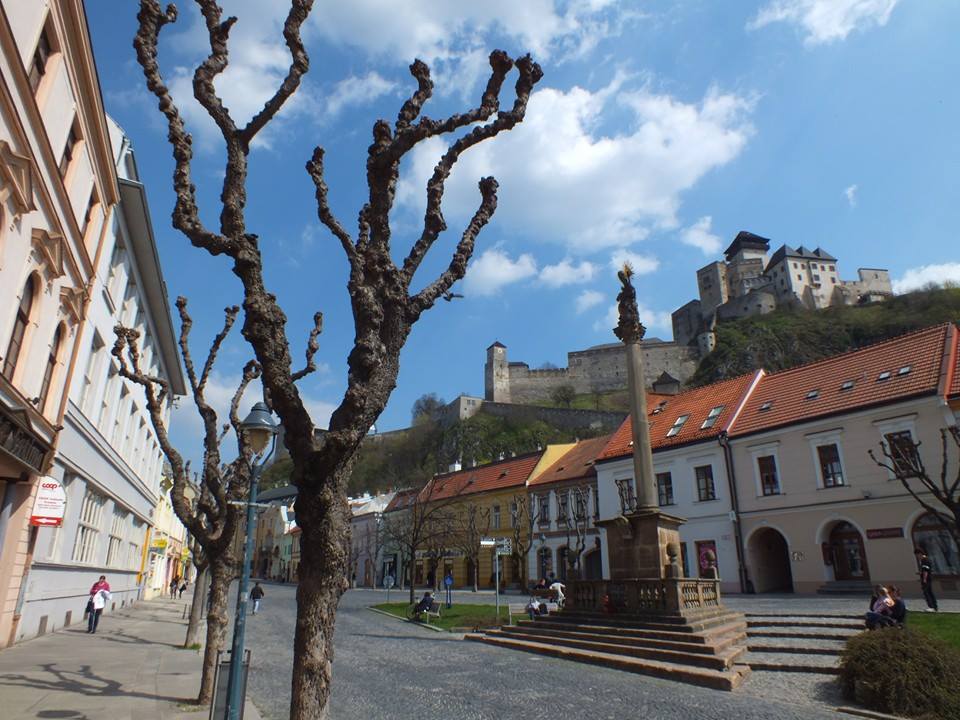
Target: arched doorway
{"points": [[847, 553], [770, 562], [593, 565]]}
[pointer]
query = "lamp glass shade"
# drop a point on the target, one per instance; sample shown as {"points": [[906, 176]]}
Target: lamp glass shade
{"points": [[258, 427], [258, 438]]}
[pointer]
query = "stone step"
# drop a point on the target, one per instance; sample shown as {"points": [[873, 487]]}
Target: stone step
{"points": [[621, 640], [788, 662], [720, 632], [718, 679], [847, 625], [696, 615], [793, 649], [805, 635], [793, 616], [721, 661], [654, 623], [845, 588]]}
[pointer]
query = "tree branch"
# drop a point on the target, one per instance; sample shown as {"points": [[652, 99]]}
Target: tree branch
{"points": [[315, 169], [312, 347]]}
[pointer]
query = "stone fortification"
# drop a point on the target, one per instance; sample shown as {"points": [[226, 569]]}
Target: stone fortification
{"points": [[602, 368]]}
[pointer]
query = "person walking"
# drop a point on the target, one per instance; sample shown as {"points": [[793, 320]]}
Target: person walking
{"points": [[99, 595], [256, 595], [926, 579], [174, 584], [183, 586]]}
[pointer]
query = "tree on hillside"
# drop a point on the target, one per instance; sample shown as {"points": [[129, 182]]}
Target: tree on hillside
{"points": [[384, 309], [564, 396], [212, 511], [426, 407], [900, 456]]}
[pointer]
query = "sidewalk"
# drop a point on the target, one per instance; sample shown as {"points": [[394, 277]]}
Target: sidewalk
{"points": [[132, 669]]}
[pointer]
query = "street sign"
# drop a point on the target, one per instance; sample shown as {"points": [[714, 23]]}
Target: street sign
{"points": [[487, 542], [504, 546], [50, 504]]}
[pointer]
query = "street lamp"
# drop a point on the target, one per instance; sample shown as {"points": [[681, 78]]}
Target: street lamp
{"points": [[259, 430]]}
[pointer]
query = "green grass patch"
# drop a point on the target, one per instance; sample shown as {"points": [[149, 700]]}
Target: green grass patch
{"points": [[461, 615], [945, 626]]}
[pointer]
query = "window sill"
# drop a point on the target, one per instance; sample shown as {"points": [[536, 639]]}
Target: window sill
{"points": [[707, 500]]}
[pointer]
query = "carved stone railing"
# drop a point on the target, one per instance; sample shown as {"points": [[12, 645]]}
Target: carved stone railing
{"points": [[669, 596]]}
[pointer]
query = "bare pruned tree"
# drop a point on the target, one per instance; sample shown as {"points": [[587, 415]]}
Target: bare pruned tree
{"points": [[523, 522], [576, 522], [469, 524], [900, 456], [384, 307], [201, 586], [212, 509]]}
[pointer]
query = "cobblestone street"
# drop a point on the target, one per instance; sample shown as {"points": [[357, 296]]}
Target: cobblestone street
{"points": [[389, 669]]}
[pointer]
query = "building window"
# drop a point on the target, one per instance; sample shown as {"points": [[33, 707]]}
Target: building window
{"points": [[799, 277], [543, 502], [579, 505], [933, 537], [117, 539], [833, 268], [90, 376], [41, 56], [139, 532], [705, 487], [677, 426], [92, 203], [85, 549], [495, 517], [664, 488], [72, 139], [513, 514], [712, 417], [52, 358], [769, 482], [831, 470], [628, 500], [906, 461], [20, 323], [563, 501]]}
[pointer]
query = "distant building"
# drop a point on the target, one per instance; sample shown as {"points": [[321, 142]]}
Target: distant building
{"points": [[749, 282]]}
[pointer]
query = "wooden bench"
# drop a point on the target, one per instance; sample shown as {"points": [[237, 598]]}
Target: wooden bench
{"points": [[429, 613], [521, 609]]}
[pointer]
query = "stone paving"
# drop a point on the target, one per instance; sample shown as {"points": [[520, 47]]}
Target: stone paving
{"points": [[386, 668]]}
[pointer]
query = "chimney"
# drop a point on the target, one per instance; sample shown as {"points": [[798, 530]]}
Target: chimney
{"points": [[454, 466], [666, 384]]}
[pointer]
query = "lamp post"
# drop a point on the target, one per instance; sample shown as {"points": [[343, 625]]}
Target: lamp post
{"points": [[260, 430]]}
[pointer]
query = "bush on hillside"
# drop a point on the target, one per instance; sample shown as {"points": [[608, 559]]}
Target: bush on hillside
{"points": [[902, 672]]}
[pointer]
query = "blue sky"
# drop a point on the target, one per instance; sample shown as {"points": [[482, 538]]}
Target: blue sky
{"points": [[659, 130]]}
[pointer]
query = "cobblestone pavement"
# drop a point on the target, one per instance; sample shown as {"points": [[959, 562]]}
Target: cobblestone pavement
{"points": [[386, 668]]}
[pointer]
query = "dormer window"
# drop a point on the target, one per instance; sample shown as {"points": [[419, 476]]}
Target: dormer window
{"points": [[813, 395], [765, 406], [885, 375], [905, 370], [712, 417], [847, 385], [41, 56], [677, 426]]}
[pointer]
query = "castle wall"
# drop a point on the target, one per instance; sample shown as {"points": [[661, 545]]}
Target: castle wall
{"points": [[568, 419]]}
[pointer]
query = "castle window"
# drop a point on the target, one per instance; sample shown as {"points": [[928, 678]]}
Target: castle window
{"points": [[833, 268], [677, 426]]}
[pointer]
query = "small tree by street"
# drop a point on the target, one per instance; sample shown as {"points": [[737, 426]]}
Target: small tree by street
{"points": [[576, 521], [901, 457], [522, 522], [469, 524]]}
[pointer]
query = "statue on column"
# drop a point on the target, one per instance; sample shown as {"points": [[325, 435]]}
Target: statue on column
{"points": [[629, 329]]}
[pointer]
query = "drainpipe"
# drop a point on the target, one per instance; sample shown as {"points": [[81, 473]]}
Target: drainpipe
{"points": [[745, 585]]}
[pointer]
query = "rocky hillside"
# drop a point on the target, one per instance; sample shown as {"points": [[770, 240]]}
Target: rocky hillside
{"points": [[785, 339]]}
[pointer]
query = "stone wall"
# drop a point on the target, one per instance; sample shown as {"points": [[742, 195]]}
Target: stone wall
{"points": [[568, 419]]}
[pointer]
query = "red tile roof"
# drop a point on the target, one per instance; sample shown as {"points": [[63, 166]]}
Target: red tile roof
{"points": [[953, 377], [910, 365], [402, 500], [696, 404], [576, 463], [483, 478]]}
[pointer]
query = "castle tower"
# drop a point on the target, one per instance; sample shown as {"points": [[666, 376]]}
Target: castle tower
{"points": [[496, 374]]}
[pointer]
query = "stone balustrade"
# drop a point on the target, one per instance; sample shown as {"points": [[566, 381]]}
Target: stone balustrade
{"points": [[669, 596]]}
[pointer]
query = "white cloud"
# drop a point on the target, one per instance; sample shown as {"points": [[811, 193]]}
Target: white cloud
{"points": [[494, 269], [567, 273], [641, 264], [653, 320], [851, 195], [564, 179], [825, 21], [588, 299], [699, 236], [354, 91], [918, 277]]}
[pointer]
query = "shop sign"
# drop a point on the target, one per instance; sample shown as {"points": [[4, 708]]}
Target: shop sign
{"points": [[878, 533], [50, 503], [159, 544], [20, 444]]}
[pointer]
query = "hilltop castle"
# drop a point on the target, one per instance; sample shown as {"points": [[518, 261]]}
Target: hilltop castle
{"points": [[749, 282], [601, 368]]}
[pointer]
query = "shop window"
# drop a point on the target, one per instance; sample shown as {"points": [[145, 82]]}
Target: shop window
{"points": [[933, 537]]}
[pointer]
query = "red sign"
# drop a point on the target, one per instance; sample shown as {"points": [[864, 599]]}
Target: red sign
{"points": [[884, 533], [50, 504]]}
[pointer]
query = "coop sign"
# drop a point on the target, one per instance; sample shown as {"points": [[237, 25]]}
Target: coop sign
{"points": [[49, 505]]}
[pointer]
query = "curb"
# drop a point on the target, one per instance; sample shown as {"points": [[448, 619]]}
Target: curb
{"points": [[397, 617], [858, 712]]}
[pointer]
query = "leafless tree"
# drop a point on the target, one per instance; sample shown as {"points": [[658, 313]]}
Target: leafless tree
{"points": [[576, 522], [523, 521], [469, 524], [212, 509], [201, 586], [384, 309], [901, 457]]}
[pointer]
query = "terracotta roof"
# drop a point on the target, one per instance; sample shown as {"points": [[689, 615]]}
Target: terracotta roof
{"points": [[953, 379], [483, 478], [896, 369], [402, 500], [697, 404], [577, 462]]}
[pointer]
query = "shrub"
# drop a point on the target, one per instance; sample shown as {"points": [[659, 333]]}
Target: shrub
{"points": [[902, 672]]}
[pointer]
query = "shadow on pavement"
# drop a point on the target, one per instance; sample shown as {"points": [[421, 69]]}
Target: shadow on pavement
{"points": [[82, 682]]}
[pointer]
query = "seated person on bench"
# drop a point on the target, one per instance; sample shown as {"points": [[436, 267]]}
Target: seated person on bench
{"points": [[426, 604]]}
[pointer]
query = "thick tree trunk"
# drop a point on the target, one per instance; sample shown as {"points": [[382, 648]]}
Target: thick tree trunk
{"points": [[323, 579], [221, 575], [200, 588]]}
